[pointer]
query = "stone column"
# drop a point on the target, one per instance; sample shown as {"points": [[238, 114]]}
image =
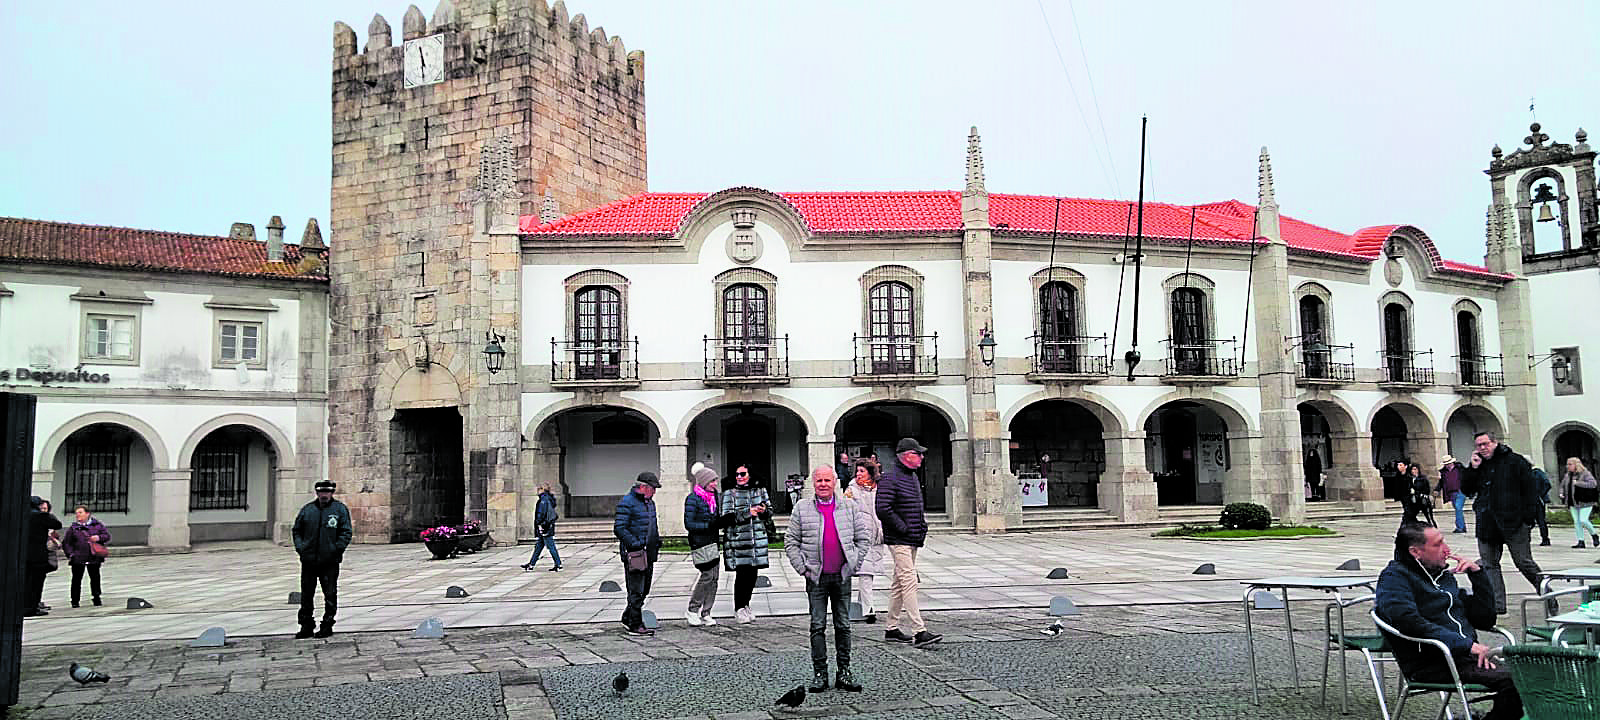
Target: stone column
{"points": [[285, 505], [1276, 455], [1352, 478], [674, 474], [169, 509], [820, 452], [1427, 449], [996, 500], [959, 492], [1127, 489], [1514, 310]]}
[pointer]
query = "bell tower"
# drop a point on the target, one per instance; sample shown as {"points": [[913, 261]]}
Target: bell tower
{"points": [[1547, 193]]}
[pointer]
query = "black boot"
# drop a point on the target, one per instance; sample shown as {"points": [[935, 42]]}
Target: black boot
{"points": [[305, 632], [845, 681], [325, 631], [1579, 545], [819, 681]]}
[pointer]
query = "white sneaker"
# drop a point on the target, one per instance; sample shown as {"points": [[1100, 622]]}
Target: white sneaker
{"points": [[743, 615], [692, 617], [707, 620]]}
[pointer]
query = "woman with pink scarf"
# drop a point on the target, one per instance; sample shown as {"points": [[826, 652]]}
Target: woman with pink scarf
{"points": [[703, 524]]}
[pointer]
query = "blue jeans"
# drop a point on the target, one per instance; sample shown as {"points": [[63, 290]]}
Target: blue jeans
{"points": [[1460, 501], [539, 544]]}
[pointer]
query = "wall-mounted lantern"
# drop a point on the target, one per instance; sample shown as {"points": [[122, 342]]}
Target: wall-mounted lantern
{"points": [[494, 355], [986, 345]]}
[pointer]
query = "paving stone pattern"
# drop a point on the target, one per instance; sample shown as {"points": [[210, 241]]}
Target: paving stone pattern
{"points": [[458, 696]]}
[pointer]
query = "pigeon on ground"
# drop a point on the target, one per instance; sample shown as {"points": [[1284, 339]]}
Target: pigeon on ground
{"points": [[619, 684], [85, 675], [793, 698], [1054, 629]]}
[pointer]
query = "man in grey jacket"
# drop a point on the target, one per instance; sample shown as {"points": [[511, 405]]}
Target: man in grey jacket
{"points": [[827, 539]]}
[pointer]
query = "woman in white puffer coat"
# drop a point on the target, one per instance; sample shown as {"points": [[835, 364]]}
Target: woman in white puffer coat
{"points": [[864, 491]]}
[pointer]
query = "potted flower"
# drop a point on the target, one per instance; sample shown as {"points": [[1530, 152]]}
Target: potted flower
{"points": [[471, 536], [442, 541]]}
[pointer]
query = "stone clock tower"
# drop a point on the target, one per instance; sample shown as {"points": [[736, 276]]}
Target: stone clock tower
{"points": [[491, 110]]}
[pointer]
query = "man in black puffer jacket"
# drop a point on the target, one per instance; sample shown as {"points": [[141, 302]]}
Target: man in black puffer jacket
{"points": [[1417, 595], [905, 526], [1507, 507]]}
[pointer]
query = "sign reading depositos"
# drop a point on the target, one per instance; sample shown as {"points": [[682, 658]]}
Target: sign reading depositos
{"points": [[48, 376]]}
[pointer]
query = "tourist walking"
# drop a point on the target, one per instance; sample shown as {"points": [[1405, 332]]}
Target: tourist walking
{"points": [[702, 523], [1421, 495], [41, 524], [875, 563], [1579, 494], [544, 529], [905, 527], [826, 540], [1543, 480], [1450, 490], [1507, 505], [640, 542], [85, 545], [322, 531], [744, 543]]}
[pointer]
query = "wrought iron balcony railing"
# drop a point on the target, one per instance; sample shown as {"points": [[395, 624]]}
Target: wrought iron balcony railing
{"points": [[746, 360], [1201, 358], [587, 361], [1409, 367], [1481, 371], [901, 355], [1070, 356], [1327, 363]]}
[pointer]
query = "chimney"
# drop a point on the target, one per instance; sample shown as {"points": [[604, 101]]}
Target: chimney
{"points": [[312, 238], [275, 239], [242, 231]]}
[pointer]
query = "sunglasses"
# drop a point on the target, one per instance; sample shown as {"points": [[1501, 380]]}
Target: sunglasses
{"points": [[742, 474]]}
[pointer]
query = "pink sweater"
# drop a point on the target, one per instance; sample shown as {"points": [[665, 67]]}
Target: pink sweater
{"points": [[832, 551]]}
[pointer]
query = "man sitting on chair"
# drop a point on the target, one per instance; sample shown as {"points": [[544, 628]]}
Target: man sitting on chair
{"points": [[1417, 595]]}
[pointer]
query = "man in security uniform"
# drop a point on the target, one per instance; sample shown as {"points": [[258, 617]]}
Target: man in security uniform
{"points": [[321, 533]]}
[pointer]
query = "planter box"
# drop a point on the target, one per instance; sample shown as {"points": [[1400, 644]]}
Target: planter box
{"points": [[443, 549]]}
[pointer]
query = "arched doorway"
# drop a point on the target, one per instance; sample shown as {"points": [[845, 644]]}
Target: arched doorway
{"points": [[1316, 451], [1401, 431], [427, 477], [233, 474], [768, 439], [1187, 450], [590, 456], [1576, 443], [108, 468], [873, 429], [1465, 422], [1060, 443], [1331, 445]]}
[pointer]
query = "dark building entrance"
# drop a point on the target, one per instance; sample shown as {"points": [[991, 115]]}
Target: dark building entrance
{"points": [[427, 483]]}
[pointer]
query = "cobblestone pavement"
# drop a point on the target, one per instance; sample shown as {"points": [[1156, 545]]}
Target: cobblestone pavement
{"points": [[1148, 661], [243, 587]]}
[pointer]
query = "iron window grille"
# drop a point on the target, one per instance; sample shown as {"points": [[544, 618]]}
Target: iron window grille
{"points": [[219, 479], [97, 472]]}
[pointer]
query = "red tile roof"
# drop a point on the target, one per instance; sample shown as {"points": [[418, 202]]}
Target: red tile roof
{"points": [[42, 242], [1227, 222]]}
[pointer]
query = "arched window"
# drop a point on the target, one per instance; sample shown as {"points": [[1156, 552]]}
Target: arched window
{"points": [[597, 326], [1189, 341], [1397, 341], [891, 327], [1314, 335], [1058, 328], [1470, 348], [745, 329]]}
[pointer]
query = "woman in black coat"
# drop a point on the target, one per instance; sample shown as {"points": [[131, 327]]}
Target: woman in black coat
{"points": [[40, 524]]}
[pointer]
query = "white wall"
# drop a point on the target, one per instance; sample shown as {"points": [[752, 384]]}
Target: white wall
{"points": [[1564, 315]]}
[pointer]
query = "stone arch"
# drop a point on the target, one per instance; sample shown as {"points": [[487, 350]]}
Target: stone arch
{"points": [[1410, 411], [152, 439], [1112, 423], [1313, 289], [775, 210], [1231, 411], [1344, 460], [759, 397], [1552, 455], [1524, 210], [403, 363], [416, 388], [280, 442], [1467, 417], [952, 417], [1341, 417], [531, 430]]}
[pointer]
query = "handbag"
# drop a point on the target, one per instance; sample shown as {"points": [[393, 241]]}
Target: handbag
{"points": [[704, 554], [1585, 495], [636, 560], [98, 550], [52, 554]]}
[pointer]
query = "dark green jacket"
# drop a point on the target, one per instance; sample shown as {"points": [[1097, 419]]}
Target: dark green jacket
{"points": [[322, 533]]}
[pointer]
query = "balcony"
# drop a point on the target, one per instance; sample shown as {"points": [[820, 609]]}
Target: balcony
{"points": [[1480, 374], [1406, 370], [1200, 362], [742, 362], [586, 364], [1068, 360], [1326, 365], [904, 360]]}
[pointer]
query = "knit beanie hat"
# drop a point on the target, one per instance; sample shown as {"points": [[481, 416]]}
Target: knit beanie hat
{"points": [[703, 474]]}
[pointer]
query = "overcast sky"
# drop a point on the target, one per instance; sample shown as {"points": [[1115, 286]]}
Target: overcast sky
{"points": [[190, 116]]}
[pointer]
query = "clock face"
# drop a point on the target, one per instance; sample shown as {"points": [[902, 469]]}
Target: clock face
{"points": [[424, 60]]}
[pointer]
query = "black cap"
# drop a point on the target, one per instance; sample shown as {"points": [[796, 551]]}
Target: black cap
{"points": [[325, 486], [648, 478], [909, 444]]}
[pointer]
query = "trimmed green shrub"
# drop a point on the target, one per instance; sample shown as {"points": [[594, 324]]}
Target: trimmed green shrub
{"points": [[1245, 516]]}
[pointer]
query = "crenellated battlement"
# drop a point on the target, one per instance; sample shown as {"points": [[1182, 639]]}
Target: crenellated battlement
{"points": [[480, 31]]}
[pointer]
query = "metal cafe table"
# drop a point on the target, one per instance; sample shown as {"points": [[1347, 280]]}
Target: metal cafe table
{"points": [[1581, 574], [1330, 584], [1576, 620]]}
